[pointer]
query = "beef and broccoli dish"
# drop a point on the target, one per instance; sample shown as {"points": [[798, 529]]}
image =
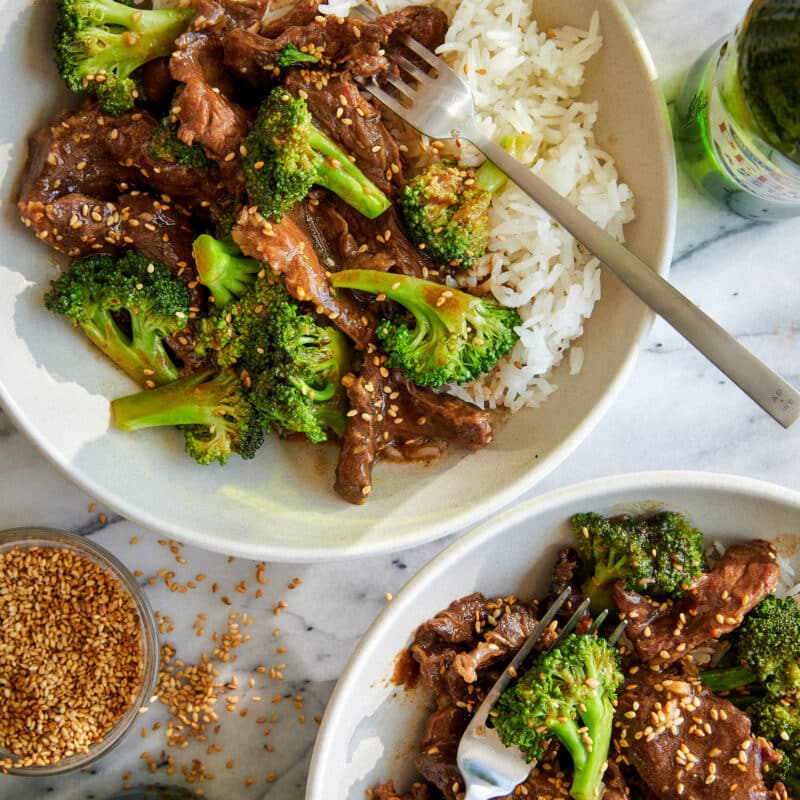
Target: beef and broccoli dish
{"points": [[265, 251], [699, 698], [229, 200]]}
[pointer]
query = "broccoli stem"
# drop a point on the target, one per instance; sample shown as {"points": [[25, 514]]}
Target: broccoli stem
{"points": [[589, 761], [192, 400], [727, 678], [589, 756], [223, 269], [149, 31], [148, 353], [598, 717], [490, 178], [340, 175]]}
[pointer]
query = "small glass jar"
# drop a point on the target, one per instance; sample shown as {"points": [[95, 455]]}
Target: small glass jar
{"points": [[735, 133], [47, 538]]}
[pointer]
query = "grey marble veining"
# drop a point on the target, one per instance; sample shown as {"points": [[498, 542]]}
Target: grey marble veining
{"points": [[677, 412]]}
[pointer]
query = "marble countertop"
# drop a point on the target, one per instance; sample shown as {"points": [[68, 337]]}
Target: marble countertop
{"points": [[677, 412]]}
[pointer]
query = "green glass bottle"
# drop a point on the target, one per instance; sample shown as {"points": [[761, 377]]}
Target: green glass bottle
{"points": [[737, 130]]}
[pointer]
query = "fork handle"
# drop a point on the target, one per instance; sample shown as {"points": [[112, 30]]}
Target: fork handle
{"points": [[775, 395]]}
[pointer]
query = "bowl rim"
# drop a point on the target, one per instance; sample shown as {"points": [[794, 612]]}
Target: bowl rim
{"points": [[42, 536], [583, 493], [456, 523]]}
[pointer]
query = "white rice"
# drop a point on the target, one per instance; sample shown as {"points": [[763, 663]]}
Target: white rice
{"points": [[528, 81]]}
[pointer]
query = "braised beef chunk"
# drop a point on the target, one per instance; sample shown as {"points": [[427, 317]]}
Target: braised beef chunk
{"points": [[685, 741], [205, 108], [510, 633], [287, 14], [565, 577], [341, 110], [288, 249], [458, 622], [91, 153], [341, 44], [436, 761], [380, 243], [392, 416], [715, 605]]}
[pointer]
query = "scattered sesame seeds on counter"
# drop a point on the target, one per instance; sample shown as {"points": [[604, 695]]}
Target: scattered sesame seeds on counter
{"points": [[241, 687]]}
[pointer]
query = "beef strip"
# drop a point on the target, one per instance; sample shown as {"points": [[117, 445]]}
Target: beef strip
{"points": [[297, 12], [357, 128], [79, 225], [425, 24], [88, 152], [438, 640], [565, 577], [288, 249], [436, 761], [685, 741], [501, 642], [665, 632], [380, 243], [334, 242], [614, 785], [156, 80], [456, 623], [205, 109], [80, 189], [341, 43], [390, 415]]}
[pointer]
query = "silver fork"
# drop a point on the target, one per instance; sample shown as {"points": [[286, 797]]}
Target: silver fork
{"points": [[441, 106], [488, 767]]}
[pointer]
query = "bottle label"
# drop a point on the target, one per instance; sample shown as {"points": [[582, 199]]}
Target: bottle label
{"points": [[753, 169]]}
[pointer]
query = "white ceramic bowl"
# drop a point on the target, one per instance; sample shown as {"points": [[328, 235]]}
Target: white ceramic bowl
{"points": [[282, 505], [371, 728]]}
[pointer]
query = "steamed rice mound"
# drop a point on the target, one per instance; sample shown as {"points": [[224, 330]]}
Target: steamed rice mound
{"points": [[526, 80]]}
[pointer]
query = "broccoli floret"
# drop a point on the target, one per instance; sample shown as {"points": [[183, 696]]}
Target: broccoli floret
{"points": [[238, 333], [99, 44], [446, 208], [97, 288], [223, 269], [212, 409], [165, 144], [659, 555], [455, 336], [304, 394], [291, 54], [787, 771], [292, 366], [567, 695], [287, 154], [777, 719], [766, 649]]}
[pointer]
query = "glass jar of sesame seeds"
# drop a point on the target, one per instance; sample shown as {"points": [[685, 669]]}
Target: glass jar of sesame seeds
{"points": [[78, 651]]}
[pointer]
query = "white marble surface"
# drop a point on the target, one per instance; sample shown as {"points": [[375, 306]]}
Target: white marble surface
{"points": [[677, 412]]}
